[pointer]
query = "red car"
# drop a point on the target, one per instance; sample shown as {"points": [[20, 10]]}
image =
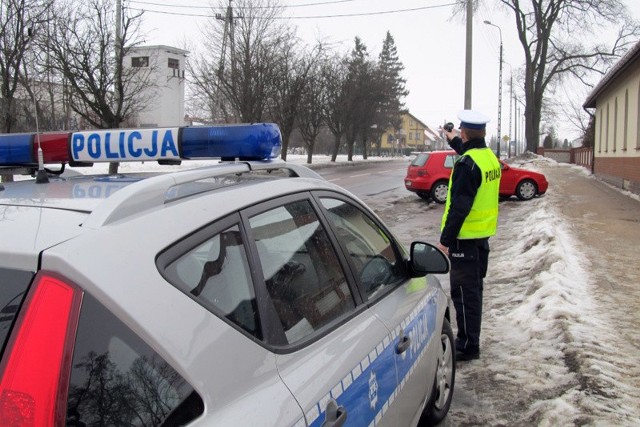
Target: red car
{"points": [[428, 177]]}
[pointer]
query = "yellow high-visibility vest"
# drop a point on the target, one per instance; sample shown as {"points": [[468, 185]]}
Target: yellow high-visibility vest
{"points": [[482, 220]]}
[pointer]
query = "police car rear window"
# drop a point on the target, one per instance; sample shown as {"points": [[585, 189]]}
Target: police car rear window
{"points": [[118, 380], [13, 288]]}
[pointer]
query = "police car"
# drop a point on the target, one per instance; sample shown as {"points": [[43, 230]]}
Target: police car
{"points": [[248, 293]]}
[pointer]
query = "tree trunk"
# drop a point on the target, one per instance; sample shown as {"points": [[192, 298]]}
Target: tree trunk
{"points": [[310, 153], [364, 148], [336, 147]]}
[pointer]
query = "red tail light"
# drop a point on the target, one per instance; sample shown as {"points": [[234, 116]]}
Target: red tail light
{"points": [[37, 361], [422, 172]]}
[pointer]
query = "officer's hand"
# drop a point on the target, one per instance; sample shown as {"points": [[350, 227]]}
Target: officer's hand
{"points": [[443, 249], [450, 135]]}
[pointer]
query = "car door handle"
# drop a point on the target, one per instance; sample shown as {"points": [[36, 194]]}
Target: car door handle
{"points": [[335, 416], [403, 343]]}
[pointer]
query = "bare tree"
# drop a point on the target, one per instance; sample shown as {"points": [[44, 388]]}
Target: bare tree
{"points": [[237, 68], [310, 115], [553, 35], [334, 80], [87, 53], [19, 19], [292, 68]]}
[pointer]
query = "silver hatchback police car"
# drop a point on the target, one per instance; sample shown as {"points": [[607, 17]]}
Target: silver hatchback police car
{"points": [[248, 293]]}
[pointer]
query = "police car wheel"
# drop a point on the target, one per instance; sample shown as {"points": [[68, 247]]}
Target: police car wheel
{"points": [[439, 402], [439, 191], [526, 190]]}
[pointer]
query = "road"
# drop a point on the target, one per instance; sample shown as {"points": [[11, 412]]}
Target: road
{"points": [[368, 179]]}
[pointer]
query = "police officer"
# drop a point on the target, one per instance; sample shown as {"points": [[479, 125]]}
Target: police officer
{"points": [[470, 218]]}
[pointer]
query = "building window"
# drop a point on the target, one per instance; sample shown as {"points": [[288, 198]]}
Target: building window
{"points": [[626, 120], [174, 63], [615, 125], [600, 126], [140, 61], [606, 141], [638, 122]]}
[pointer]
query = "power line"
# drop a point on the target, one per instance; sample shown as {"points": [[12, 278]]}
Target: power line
{"points": [[347, 15], [386, 12], [182, 6]]}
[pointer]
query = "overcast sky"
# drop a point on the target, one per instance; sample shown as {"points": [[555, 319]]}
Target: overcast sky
{"points": [[430, 42]]}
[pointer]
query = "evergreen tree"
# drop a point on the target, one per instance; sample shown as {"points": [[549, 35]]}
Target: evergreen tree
{"points": [[392, 85], [393, 89]]}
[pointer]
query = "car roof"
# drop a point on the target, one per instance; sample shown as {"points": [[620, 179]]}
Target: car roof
{"points": [[37, 216]]}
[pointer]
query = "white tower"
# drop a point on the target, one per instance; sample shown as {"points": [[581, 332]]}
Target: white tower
{"points": [[167, 65]]}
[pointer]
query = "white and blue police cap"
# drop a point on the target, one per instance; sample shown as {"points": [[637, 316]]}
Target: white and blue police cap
{"points": [[472, 119]]}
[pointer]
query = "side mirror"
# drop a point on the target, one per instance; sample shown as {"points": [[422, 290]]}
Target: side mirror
{"points": [[426, 258]]}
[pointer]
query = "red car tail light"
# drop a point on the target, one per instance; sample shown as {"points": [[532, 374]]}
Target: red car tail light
{"points": [[36, 366], [422, 172]]}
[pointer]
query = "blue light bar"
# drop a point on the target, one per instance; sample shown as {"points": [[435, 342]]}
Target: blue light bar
{"points": [[256, 141], [16, 149]]}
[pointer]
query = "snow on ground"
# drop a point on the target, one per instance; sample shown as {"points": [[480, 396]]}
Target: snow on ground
{"points": [[550, 354]]}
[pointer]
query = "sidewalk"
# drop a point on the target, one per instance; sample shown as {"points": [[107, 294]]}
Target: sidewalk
{"points": [[607, 223]]}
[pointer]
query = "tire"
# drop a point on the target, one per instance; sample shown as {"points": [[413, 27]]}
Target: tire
{"points": [[423, 195], [526, 189], [439, 401], [439, 191]]}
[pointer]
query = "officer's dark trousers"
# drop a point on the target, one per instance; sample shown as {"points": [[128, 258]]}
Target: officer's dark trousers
{"points": [[469, 259]]}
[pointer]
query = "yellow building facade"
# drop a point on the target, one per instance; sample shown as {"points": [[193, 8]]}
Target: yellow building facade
{"points": [[413, 135]]}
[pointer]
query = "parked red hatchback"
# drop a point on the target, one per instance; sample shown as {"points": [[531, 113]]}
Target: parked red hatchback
{"points": [[428, 177]]}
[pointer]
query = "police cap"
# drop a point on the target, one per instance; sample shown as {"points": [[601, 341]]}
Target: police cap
{"points": [[472, 119]]}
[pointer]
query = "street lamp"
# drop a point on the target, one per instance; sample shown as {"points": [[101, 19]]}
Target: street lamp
{"points": [[499, 88]]}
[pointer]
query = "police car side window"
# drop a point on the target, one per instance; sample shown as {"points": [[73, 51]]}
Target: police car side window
{"points": [[301, 270], [371, 251], [118, 380], [216, 274]]}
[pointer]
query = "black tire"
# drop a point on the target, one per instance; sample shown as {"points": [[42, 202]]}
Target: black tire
{"points": [[423, 195], [439, 192], [526, 189], [439, 401]]}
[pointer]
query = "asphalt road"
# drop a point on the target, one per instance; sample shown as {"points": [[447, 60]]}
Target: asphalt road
{"points": [[367, 179]]}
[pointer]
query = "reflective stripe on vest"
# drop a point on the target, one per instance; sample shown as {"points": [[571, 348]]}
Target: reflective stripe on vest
{"points": [[482, 220]]}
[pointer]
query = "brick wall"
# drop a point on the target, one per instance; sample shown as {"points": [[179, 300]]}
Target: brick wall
{"points": [[559, 155], [622, 172]]}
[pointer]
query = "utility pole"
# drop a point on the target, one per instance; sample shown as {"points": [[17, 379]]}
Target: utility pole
{"points": [[113, 166], [510, 112], [118, 53], [515, 123], [499, 89], [468, 56], [227, 37]]}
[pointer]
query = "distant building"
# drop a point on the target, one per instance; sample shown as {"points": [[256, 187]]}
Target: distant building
{"points": [[616, 99], [167, 65], [413, 135]]}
